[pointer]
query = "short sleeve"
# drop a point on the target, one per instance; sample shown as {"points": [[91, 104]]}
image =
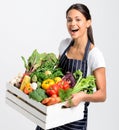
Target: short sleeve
{"points": [[63, 45], [96, 59]]}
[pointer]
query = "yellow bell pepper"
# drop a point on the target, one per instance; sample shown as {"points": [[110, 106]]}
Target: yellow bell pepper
{"points": [[47, 83], [57, 79]]}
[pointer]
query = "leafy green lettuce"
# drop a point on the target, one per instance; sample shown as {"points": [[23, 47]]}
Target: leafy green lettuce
{"points": [[83, 84]]}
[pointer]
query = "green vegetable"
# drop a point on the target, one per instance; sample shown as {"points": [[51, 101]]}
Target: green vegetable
{"points": [[83, 84], [39, 59], [38, 94], [39, 64], [33, 62], [65, 94], [34, 78], [41, 74]]}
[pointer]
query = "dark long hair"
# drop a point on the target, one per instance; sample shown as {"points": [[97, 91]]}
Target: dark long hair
{"points": [[85, 11]]}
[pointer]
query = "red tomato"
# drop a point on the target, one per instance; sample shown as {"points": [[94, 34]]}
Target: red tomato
{"points": [[64, 84], [53, 90]]}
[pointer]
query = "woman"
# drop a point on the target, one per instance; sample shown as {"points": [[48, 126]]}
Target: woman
{"points": [[79, 52]]}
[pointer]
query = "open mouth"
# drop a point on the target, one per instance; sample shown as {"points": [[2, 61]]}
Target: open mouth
{"points": [[74, 30]]}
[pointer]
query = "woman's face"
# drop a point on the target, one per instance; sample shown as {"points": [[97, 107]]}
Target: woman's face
{"points": [[77, 24]]}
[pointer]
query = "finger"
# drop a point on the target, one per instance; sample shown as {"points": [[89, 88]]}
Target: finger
{"points": [[69, 103]]}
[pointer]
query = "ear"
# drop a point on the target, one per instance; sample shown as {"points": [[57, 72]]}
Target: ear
{"points": [[88, 23]]}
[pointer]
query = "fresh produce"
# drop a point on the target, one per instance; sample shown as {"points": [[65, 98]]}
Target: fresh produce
{"points": [[38, 94], [41, 66], [34, 85], [53, 90], [51, 100], [41, 72], [28, 89], [44, 62], [57, 79], [44, 73], [24, 82], [70, 78], [63, 84], [47, 83], [44, 81], [16, 81], [33, 62], [83, 84]]}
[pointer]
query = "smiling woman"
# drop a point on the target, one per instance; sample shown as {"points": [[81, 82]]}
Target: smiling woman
{"points": [[77, 24], [79, 52]]}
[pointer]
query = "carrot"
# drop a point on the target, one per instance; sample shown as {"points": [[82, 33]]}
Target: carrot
{"points": [[46, 100], [54, 100], [51, 100], [58, 99]]}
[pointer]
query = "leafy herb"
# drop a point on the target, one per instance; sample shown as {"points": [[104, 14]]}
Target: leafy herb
{"points": [[65, 94]]}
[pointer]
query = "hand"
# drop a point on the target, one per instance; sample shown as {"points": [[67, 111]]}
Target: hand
{"points": [[76, 99]]}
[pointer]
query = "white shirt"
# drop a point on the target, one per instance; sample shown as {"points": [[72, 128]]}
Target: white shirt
{"points": [[95, 57]]}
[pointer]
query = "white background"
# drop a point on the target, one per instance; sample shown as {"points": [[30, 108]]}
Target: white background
{"points": [[26, 25]]}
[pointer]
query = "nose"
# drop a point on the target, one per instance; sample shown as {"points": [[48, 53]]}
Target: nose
{"points": [[73, 22]]}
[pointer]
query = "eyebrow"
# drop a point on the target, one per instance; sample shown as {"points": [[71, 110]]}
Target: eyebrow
{"points": [[75, 17]]}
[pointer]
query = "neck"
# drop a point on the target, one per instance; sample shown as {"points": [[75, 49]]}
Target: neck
{"points": [[80, 43]]}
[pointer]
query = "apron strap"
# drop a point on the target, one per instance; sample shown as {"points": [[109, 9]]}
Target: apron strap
{"points": [[84, 68], [85, 65], [87, 50]]}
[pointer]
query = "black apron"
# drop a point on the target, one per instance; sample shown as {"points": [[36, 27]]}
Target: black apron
{"points": [[72, 65]]}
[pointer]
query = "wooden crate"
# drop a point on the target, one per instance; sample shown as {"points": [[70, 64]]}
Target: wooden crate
{"points": [[46, 117]]}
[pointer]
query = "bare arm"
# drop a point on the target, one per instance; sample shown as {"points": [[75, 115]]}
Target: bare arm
{"points": [[99, 95]]}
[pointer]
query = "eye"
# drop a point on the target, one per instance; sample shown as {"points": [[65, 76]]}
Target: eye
{"points": [[78, 19], [69, 20]]}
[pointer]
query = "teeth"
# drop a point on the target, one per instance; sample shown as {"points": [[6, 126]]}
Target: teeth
{"points": [[74, 30]]}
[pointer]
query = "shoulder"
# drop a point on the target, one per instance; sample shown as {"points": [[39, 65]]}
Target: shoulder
{"points": [[95, 51], [63, 45], [96, 58]]}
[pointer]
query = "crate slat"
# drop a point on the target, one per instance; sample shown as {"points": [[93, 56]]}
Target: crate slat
{"points": [[46, 117], [28, 115]]}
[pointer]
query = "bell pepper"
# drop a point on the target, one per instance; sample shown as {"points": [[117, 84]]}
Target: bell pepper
{"points": [[28, 88], [57, 79], [47, 83]]}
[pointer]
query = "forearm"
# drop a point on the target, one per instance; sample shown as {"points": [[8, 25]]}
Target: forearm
{"points": [[98, 96]]}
